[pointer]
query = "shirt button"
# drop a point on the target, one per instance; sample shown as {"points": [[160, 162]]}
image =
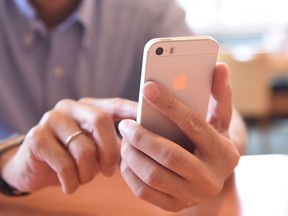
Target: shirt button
{"points": [[28, 39], [58, 71]]}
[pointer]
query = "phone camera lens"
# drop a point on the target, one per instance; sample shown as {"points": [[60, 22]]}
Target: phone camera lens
{"points": [[159, 51]]}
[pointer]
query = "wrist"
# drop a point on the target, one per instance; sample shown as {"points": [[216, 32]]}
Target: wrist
{"points": [[8, 148], [10, 142]]}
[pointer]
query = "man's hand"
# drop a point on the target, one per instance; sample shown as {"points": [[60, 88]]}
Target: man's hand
{"points": [[45, 159], [165, 174]]}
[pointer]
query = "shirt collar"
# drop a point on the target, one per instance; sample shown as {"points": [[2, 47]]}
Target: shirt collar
{"points": [[25, 7], [84, 15], [87, 11]]}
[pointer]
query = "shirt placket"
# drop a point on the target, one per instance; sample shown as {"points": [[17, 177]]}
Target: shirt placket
{"points": [[56, 77]]}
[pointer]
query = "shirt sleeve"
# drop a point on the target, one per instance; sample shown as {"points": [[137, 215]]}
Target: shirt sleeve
{"points": [[4, 131]]}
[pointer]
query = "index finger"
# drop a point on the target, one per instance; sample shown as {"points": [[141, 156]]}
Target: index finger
{"points": [[119, 108], [101, 127], [201, 133]]}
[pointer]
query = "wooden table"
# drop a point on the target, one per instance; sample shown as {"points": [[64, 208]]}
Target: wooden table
{"points": [[259, 187]]}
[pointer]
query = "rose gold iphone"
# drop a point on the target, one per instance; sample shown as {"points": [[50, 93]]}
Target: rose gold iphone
{"points": [[185, 66]]}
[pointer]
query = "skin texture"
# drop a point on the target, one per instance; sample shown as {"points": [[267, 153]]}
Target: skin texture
{"points": [[156, 169], [43, 159], [163, 173]]}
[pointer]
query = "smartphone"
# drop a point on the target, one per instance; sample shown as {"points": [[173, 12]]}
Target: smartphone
{"points": [[185, 66]]}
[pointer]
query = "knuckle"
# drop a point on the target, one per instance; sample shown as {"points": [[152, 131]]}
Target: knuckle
{"points": [[117, 104], [62, 104], [137, 137], [170, 105], [113, 158], [88, 151], [86, 162], [214, 186], [34, 137], [236, 157], [84, 100], [66, 168], [174, 208], [46, 117], [124, 169], [189, 203], [117, 101], [71, 189], [140, 191], [229, 90], [170, 158], [101, 119], [33, 133], [232, 155], [87, 177], [124, 149], [150, 177], [50, 117], [193, 122], [174, 205]]}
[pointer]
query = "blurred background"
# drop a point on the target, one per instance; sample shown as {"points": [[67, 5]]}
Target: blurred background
{"points": [[253, 38]]}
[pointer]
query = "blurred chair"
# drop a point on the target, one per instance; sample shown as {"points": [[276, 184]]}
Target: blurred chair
{"points": [[250, 85], [279, 96], [279, 85], [249, 80]]}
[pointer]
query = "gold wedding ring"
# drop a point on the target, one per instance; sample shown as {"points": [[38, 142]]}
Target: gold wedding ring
{"points": [[73, 136]]}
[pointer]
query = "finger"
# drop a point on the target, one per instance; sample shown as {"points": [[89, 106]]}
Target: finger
{"points": [[84, 151], [169, 155], [119, 108], [101, 127], [81, 148], [149, 194], [220, 108], [46, 149], [202, 134]]}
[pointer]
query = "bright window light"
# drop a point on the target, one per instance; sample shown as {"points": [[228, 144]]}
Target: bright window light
{"points": [[239, 16]]}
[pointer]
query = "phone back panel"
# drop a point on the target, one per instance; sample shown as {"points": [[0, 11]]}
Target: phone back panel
{"points": [[186, 69]]}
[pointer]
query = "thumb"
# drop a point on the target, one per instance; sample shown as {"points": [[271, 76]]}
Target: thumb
{"points": [[220, 106]]}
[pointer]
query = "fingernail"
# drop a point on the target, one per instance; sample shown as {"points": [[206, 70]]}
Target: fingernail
{"points": [[151, 91], [123, 127]]}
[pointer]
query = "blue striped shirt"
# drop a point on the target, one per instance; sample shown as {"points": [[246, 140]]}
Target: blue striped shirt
{"points": [[96, 52]]}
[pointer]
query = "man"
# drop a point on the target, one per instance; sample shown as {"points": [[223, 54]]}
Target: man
{"points": [[85, 57]]}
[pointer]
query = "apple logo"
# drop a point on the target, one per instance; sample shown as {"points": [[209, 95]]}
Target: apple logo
{"points": [[180, 82]]}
